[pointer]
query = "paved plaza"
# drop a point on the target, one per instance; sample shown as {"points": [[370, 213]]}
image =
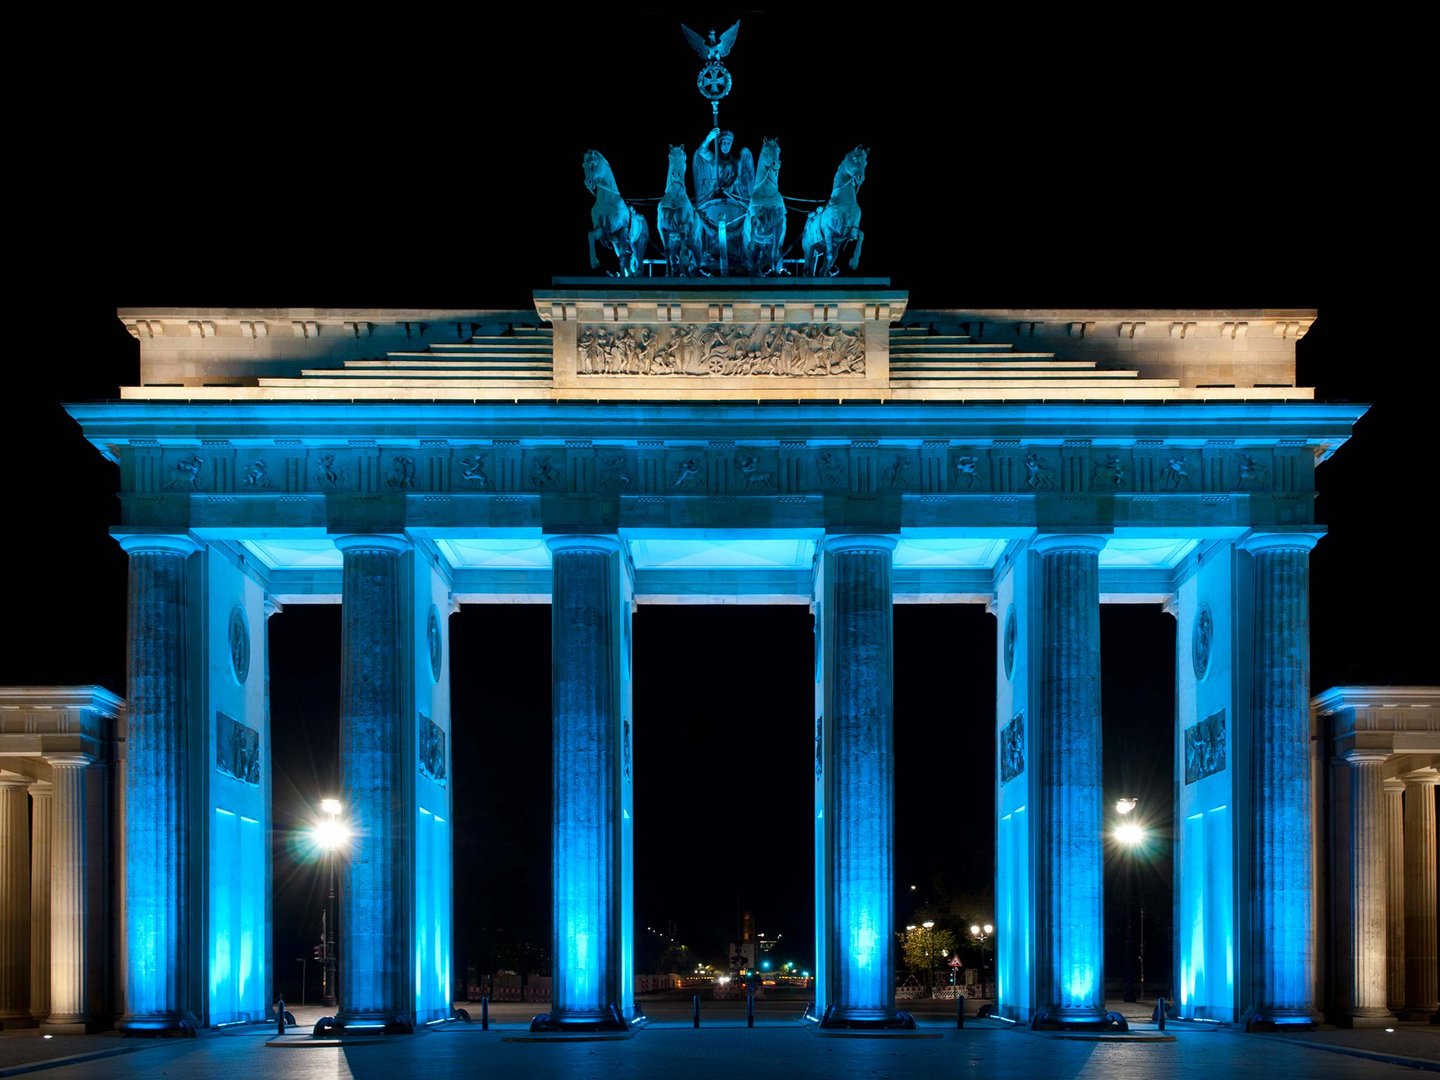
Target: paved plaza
{"points": [[778, 1046]]}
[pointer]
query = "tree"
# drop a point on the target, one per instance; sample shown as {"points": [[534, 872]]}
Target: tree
{"points": [[925, 949]]}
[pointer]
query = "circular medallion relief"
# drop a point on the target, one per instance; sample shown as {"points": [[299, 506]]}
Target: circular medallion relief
{"points": [[432, 635], [1010, 641], [1201, 639], [239, 633]]}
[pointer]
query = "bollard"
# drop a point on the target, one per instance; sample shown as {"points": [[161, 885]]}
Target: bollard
{"points": [[750, 1010], [1160, 1012], [696, 1002], [280, 1017], [959, 1008], [485, 1013]]}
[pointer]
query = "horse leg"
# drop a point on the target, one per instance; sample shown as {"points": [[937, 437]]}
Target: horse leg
{"points": [[594, 259], [859, 243]]}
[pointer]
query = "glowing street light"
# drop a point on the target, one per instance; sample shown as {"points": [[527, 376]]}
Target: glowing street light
{"points": [[1130, 834], [330, 834]]}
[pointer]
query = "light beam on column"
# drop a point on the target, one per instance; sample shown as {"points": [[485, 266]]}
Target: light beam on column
{"points": [[1070, 956], [855, 859], [590, 748]]}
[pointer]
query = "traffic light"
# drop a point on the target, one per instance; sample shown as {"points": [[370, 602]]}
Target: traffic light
{"points": [[315, 952]]}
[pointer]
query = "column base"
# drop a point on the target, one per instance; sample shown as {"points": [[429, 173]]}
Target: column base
{"points": [[1420, 1012], [837, 1018], [1062, 1019], [158, 1025], [1280, 1020], [358, 1024], [17, 1021], [608, 1019], [1368, 1018]]}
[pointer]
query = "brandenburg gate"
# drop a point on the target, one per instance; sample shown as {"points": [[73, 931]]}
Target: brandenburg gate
{"points": [[637, 441]]}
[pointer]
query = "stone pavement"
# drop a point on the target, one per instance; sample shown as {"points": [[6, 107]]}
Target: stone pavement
{"points": [[777, 1047]]}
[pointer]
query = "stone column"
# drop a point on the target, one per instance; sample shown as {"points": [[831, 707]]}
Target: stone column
{"points": [[859, 778], [585, 639], [1282, 931], [1367, 889], [14, 902], [1395, 894], [157, 788], [1421, 988], [1071, 949], [42, 800], [373, 944], [69, 1000]]}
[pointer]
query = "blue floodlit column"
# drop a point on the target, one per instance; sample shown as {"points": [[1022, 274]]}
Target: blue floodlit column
{"points": [[1070, 952], [585, 641], [1367, 885], [42, 800], [69, 1000], [859, 779], [14, 901], [374, 879], [1420, 908], [1395, 894], [157, 787], [1282, 934]]}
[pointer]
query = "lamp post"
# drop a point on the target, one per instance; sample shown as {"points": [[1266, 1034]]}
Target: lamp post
{"points": [[929, 925], [1129, 833], [980, 935], [330, 836]]}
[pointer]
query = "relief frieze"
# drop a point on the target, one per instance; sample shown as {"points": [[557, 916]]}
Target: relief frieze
{"points": [[813, 350]]}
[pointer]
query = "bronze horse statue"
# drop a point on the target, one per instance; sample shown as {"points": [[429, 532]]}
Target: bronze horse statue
{"points": [[833, 226], [615, 222], [678, 221], [764, 229]]}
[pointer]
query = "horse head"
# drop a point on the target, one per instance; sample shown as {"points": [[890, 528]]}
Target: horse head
{"points": [[855, 162], [597, 171], [678, 165], [767, 169]]}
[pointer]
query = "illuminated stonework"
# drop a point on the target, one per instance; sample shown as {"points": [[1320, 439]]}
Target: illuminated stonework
{"points": [[638, 441]]}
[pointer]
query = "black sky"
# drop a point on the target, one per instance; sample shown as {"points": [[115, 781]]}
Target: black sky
{"points": [[1024, 165]]}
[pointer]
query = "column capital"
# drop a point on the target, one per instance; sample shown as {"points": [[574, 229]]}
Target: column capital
{"points": [[1394, 786], [272, 606], [1422, 778], [68, 760], [14, 780], [1050, 543], [1258, 542], [877, 542], [41, 789], [157, 543], [397, 545], [1363, 756], [598, 544]]}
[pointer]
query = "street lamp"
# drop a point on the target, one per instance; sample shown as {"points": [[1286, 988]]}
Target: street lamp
{"points": [[1130, 836], [929, 925], [331, 834]]}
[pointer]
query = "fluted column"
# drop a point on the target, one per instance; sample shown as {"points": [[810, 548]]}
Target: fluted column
{"points": [[69, 1001], [14, 902], [42, 801], [1422, 984], [157, 787], [1395, 894], [1282, 931], [859, 778], [585, 639], [375, 894], [1368, 883], [1071, 950]]}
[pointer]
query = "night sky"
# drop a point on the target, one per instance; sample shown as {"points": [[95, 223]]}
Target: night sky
{"points": [[1015, 168]]}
